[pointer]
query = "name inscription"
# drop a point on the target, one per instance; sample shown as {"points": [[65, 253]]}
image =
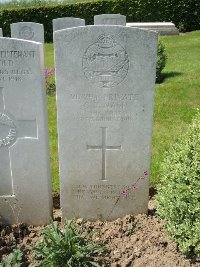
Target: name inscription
{"points": [[105, 107], [10, 69]]}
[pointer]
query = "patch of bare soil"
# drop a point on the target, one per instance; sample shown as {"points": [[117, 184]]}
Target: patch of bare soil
{"points": [[139, 241]]}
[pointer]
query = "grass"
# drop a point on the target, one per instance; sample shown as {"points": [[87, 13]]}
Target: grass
{"points": [[176, 100], [177, 97]]}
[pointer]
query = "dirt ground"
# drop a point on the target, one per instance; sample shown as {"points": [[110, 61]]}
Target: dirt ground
{"points": [[139, 241]]}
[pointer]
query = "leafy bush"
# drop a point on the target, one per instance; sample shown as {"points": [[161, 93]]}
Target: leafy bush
{"points": [[68, 247], [184, 13], [179, 191], [14, 259], [161, 61]]}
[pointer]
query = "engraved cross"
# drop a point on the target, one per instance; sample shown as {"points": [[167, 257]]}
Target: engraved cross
{"points": [[10, 131], [103, 147]]}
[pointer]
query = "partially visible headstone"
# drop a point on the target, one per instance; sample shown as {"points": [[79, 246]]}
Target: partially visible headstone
{"points": [[110, 19], [25, 186], [68, 22], [1, 32], [28, 31], [163, 28], [105, 79]]}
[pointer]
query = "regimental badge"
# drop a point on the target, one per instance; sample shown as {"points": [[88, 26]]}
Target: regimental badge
{"points": [[26, 33], [105, 63]]}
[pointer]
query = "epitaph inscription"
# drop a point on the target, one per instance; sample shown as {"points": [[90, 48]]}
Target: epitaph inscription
{"points": [[99, 192], [105, 62]]}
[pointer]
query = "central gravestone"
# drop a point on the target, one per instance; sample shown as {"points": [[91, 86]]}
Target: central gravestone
{"points": [[105, 96], [25, 186], [28, 31]]}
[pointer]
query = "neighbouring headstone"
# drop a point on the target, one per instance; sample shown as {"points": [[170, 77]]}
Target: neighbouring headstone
{"points": [[25, 186], [105, 79], [28, 31], [110, 19], [1, 32], [163, 28], [67, 22]]}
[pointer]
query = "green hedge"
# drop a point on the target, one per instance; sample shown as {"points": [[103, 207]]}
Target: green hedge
{"points": [[184, 13], [179, 190]]}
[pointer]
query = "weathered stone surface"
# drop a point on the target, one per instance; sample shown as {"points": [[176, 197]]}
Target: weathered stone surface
{"points": [[110, 19], [105, 93], [68, 22], [163, 28], [28, 31], [1, 32], [25, 186]]}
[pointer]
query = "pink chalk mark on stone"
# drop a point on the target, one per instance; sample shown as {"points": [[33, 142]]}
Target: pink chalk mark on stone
{"points": [[134, 186], [124, 193]]}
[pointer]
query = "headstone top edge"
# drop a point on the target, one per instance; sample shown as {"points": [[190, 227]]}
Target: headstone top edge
{"points": [[21, 41], [159, 23], [110, 14], [27, 22], [66, 18], [104, 27], [67, 29]]}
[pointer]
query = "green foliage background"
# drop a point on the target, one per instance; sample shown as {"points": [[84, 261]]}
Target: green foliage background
{"points": [[184, 13], [161, 61]]}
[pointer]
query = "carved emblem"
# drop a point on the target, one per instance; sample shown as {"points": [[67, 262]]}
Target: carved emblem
{"points": [[26, 33], [8, 133], [105, 62]]}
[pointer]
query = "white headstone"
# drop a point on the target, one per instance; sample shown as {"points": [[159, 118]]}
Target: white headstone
{"points": [[105, 79], [1, 32], [110, 19], [163, 28], [28, 31], [68, 22], [25, 185]]}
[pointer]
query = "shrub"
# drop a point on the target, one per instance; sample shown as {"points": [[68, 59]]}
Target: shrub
{"points": [[14, 259], [179, 190], [161, 61], [68, 247]]}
